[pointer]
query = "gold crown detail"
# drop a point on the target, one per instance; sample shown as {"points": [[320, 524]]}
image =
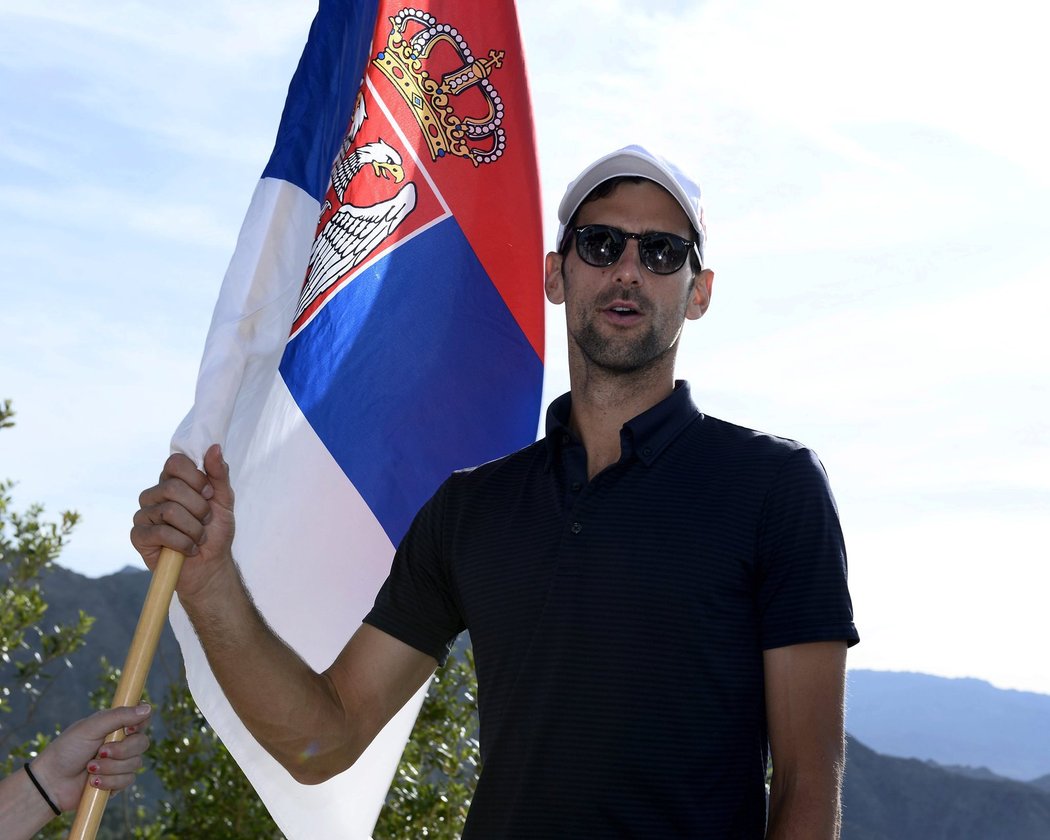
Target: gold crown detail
{"points": [[480, 138]]}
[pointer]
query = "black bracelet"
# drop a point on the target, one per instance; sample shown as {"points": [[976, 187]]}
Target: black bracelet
{"points": [[40, 788]]}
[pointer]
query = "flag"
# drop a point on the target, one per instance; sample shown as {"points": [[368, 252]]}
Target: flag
{"points": [[380, 325]]}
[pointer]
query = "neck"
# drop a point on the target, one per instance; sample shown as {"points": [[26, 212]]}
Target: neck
{"points": [[602, 401]]}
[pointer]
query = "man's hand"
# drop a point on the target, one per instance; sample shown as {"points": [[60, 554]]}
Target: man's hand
{"points": [[191, 512]]}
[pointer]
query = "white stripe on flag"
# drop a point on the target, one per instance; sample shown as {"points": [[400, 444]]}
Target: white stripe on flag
{"points": [[307, 544]]}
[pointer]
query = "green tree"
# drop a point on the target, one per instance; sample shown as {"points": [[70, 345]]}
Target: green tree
{"points": [[435, 780], [29, 649]]}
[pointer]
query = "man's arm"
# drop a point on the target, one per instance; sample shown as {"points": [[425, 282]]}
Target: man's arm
{"points": [[315, 725], [805, 689]]}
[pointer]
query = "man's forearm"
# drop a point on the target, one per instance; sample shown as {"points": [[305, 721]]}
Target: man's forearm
{"points": [[801, 812], [292, 711], [805, 686]]}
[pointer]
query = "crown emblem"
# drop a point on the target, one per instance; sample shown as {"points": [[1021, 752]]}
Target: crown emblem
{"points": [[404, 61]]}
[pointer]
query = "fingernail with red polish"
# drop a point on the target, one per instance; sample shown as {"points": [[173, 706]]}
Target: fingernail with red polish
{"points": [[97, 782], [92, 767], [103, 753]]}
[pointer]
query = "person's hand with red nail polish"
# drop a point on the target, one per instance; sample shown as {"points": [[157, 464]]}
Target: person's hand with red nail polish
{"points": [[54, 780]]}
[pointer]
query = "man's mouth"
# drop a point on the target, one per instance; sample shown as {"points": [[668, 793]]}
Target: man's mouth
{"points": [[622, 312]]}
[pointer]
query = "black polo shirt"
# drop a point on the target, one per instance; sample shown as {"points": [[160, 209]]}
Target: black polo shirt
{"points": [[618, 624]]}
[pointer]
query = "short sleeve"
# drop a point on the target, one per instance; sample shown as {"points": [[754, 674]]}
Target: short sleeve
{"points": [[801, 559], [416, 603]]}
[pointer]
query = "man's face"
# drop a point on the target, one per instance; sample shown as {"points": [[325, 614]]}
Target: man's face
{"points": [[624, 318]]}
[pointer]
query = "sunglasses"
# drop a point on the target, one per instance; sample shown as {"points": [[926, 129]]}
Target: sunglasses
{"points": [[661, 253]]}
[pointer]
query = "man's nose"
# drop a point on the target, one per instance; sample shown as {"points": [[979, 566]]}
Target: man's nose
{"points": [[629, 269]]}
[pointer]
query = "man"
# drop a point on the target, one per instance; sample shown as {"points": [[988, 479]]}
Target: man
{"points": [[657, 599]]}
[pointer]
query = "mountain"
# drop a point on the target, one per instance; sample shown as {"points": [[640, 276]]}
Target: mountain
{"points": [[115, 601], [1043, 783], [887, 798], [964, 722]]}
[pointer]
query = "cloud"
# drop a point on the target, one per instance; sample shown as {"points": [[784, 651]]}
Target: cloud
{"points": [[87, 209], [145, 69]]}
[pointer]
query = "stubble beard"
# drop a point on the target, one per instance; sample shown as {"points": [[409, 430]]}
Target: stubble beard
{"points": [[620, 355], [630, 353]]}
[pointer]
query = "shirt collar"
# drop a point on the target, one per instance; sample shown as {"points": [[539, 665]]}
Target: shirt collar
{"points": [[645, 436]]}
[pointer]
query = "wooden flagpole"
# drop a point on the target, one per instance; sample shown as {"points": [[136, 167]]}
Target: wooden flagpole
{"points": [[133, 678]]}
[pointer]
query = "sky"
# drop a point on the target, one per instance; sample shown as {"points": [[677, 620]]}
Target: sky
{"points": [[876, 185]]}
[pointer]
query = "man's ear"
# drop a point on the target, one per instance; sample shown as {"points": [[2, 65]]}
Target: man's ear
{"points": [[553, 282], [700, 298]]}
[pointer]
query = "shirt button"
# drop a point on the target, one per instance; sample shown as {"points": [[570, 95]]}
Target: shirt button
{"points": [[576, 486], [576, 527], [647, 451]]}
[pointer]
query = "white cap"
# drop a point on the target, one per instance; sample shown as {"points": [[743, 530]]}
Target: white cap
{"points": [[635, 161]]}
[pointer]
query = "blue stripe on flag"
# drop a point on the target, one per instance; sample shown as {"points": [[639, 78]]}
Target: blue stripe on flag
{"points": [[414, 369], [321, 95]]}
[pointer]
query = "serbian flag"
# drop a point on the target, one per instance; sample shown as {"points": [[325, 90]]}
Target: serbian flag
{"points": [[380, 325]]}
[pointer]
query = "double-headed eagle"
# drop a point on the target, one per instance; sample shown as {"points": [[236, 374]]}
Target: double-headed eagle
{"points": [[353, 232]]}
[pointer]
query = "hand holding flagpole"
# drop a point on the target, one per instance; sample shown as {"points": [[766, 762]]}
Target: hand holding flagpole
{"points": [[133, 678]]}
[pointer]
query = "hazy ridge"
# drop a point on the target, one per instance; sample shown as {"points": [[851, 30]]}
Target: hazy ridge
{"points": [[963, 736]]}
